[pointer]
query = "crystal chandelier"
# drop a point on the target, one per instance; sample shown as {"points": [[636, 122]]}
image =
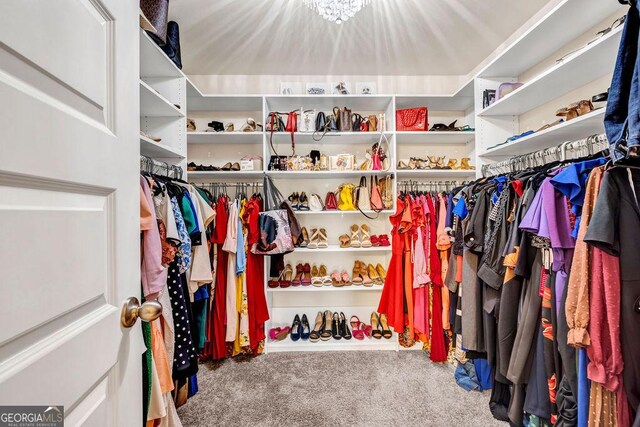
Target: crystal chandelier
{"points": [[337, 11]]}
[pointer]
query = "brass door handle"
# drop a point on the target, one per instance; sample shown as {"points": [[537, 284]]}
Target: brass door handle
{"points": [[131, 310]]}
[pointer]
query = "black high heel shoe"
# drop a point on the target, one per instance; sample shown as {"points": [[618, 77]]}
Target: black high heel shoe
{"points": [[294, 200], [344, 327], [296, 329], [335, 326], [304, 202], [305, 329]]}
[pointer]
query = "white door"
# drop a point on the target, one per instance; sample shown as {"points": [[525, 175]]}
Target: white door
{"points": [[69, 208]]}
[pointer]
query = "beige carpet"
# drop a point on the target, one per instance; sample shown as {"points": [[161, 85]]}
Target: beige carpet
{"points": [[367, 388]]}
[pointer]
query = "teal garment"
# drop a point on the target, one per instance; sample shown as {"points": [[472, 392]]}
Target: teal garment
{"points": [[189, 213]]}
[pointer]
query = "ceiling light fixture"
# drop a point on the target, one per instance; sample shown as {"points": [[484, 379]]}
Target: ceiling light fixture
{"points": [[337, 11]]}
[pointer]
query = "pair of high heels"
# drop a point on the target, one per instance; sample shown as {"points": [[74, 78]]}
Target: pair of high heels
{"points": [[360, 237], [330, 325], [320, 276], [368, 275], [380, 326], [284, 279], [300, 329], [318, 238], [299, 202]]}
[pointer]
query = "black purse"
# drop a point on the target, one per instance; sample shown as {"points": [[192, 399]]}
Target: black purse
{"points": [[356, 120], [321, 122], [278, 163]]}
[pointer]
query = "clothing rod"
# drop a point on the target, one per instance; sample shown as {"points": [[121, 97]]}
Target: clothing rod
{"points": [[227, 184], [154, 167], [581, 148]]}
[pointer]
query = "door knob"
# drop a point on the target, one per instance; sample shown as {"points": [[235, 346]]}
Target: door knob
{"points": [[131, 310]]}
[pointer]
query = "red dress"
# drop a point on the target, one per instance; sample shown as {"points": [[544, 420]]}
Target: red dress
{"points": [[215, 347], [392, 301], [256, 300], [438, 348]]}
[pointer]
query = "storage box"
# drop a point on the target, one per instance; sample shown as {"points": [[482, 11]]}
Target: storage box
{"points": [[251, 165], [342, 162]]}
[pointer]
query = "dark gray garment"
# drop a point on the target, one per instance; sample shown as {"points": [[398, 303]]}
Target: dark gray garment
{"points": [[472, 333], [537, 400], [450, 277]]}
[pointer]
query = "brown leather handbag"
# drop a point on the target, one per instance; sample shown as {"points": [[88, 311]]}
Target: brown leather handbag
{"points": [[373, 123], [343, 116], [412, 119]]}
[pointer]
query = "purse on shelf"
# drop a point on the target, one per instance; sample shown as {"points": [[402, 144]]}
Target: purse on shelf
{"points": [[386, 191], [321, 122], [278, 163], [276, 124], [379, 158], [382, 122], [412, 119], [307, 121], [372, 121], [364, 126], [330, 201], [345, 200], [279, 228], [357, 122], [315, 203], [343, 119], [376, 198], [363, 201]]}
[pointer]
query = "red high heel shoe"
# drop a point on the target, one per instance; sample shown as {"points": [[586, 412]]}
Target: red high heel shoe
{"points": [[384, 240]]}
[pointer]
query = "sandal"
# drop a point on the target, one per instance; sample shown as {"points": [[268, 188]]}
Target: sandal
{"points": [[324, 275], [305, 237], [229, 127], [344, 329], [381, 272], [345, 279], [365, 241], [465, 164], [373, 274], [313, 243], [235, 167], [306, 275], [274, 282], [283, 333], [355, 239], [297, 281], [355, 275], [344, 241], [285, 280], [314, 336], [322, 239], [384, 240], [336, 280], [386, 332], [366, 280], [226, 167], [376, 332], [355, 328], [316, 280], [402, 165]]}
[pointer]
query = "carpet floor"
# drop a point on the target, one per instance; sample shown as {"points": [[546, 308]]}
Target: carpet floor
{"points": [[368, 388]]}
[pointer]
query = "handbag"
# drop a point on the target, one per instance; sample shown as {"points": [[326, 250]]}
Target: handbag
{"points": [[373, 123], [412, 119], [357, 122], [315, 203], [379, 155], [278, 163], [277, 223], [345, 201], [376, 197], [343, 119], [364, 126], [363, 201], [386, 191], [330, 201], [307, 120], [321, 122], [276, 124]]}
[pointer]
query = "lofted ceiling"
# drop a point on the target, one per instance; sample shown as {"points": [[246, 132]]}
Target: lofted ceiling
{"points": [[388, 37]]}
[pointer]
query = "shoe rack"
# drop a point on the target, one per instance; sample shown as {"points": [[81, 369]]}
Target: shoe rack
{"points": [[529, 59]]}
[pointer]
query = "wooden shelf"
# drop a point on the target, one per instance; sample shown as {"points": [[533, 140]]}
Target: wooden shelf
{"points": [[152, 104], [337, 248], [436, 173], [153, 61], [552, 31], [226, 175], [432, 137], [224, 137], [585, 66], [157, 150], [456, 102], [325, 174], [572, 130]]}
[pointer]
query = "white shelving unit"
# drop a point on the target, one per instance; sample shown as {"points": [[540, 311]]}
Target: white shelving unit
{"points": [[564, 23]]}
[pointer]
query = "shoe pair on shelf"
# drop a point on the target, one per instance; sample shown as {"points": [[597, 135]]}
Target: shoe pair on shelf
{"points": [[379, 327], [318, 238], [299, 202], [191, 167], [380, 240], [368, 275], [330, 325], [360, 237]]}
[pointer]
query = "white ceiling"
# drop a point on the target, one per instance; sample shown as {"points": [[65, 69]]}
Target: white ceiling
{"points": [[388, 37]]}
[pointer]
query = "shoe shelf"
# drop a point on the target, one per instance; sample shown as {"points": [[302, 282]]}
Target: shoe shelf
{"points": [[592, 62], [329, 137], [350, 288], [435, 137], [562, 23], [153, 104], [333, 345], [572, 130], [157, 150], [337, 248], [339, 212], [325, 174], [222, 175], [224, 137], [436, 173]]}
